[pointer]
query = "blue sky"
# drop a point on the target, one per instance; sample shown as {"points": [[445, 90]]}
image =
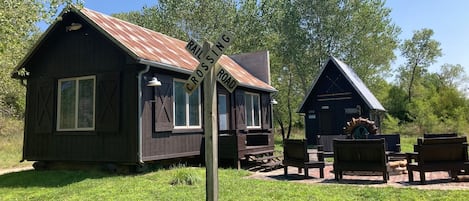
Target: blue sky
{"points": [[448, 19]]}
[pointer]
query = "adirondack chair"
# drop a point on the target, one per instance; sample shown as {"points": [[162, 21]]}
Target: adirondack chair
{"points": [[438, 154], [295, 153], [360, 155]]}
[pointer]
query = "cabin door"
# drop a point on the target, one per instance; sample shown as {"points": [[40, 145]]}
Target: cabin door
{"points": [[325, 122], [223, 113]]}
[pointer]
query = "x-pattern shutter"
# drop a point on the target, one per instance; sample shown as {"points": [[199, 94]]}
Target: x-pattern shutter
{"points": [[164, 104], [108, 99], [240, 111], [265, 111], [44, 107]]}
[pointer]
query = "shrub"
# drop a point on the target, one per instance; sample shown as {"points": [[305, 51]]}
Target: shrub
{"points": [[184, 176]]}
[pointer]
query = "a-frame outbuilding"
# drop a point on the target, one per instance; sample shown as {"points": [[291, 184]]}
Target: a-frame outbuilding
{"points": [[336, 95]]}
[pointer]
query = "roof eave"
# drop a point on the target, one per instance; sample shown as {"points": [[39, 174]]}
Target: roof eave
{"points": [[163, 66], [188, 72], [273, 90]]}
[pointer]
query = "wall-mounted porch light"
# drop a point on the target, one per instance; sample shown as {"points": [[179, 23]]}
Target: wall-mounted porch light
{"points": [[273, 102], [154, 82], [73, 27]]}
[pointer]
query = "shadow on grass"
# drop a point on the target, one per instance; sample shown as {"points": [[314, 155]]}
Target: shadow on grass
{"points": [[353, 181], [292, 177], [47, 178], [432, 181]]}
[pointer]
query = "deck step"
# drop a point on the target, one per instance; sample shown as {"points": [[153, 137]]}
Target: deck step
{"points": [[266, 167], [271, 152], [266, 158]]}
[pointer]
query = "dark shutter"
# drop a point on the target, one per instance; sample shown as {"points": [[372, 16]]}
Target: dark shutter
{"points": [[240, 111], [108, 102], [266, 114], [164, 104], [44, 105]]}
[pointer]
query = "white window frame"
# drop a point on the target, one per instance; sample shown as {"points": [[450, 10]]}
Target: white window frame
{"points": [[223, 123], [187, 125], [59, 103], [252, 112]]}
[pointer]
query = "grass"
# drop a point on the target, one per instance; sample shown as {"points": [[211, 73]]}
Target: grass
{"points": [[11, 141], [80, 185], [180, 183]]}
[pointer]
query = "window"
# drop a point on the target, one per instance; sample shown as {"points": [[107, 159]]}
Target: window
{"points": [[186, 107], [252, 110], [76, 104], [222, 112]]}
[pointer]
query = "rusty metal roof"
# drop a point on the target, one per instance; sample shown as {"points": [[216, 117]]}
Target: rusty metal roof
{"points": [[152, 46]]}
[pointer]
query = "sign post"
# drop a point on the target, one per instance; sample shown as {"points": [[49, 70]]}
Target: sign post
{"points": [[208, 57]]}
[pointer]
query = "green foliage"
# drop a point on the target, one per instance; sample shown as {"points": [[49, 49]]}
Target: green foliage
{"points": [[184, 176], [426, 102], [420, 52], [390, 124], [18, 31]]}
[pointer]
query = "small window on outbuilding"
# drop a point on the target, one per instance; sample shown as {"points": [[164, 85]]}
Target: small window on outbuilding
{"points": [[76, 104]]}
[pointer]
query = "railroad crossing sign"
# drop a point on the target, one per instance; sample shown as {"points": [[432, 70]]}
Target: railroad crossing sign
{"points": [[208, 56], [226, 79]]}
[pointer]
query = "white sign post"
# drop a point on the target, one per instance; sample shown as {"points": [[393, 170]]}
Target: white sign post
{"points": [[204, 72]]}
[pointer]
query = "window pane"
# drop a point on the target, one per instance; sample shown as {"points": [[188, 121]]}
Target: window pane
{"points": [[179, 104], [222, 114], [255, 102], [194, 108], [248, 100], [67, 104], [85, 103]]}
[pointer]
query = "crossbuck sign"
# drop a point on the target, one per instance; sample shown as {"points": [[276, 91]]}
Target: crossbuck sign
{"points": [[208, 57]]}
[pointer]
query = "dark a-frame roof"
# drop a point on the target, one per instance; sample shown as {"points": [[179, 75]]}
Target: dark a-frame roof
{"points": [[365, 93]]}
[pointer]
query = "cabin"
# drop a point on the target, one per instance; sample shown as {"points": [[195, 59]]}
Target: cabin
{"points": [[336, 96], [88, 98]]}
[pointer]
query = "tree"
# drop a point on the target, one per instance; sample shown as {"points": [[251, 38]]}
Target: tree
{"points": [[420, 52], [360, 33], [452, 75], [300, 35], [18, 31]]}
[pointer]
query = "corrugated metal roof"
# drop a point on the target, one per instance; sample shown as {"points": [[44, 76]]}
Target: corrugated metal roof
{"points": [[354, 80], [153, 46]]}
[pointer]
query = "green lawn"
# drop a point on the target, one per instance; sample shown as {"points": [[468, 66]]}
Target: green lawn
{"points": [[80, 185], [156, 185]]}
